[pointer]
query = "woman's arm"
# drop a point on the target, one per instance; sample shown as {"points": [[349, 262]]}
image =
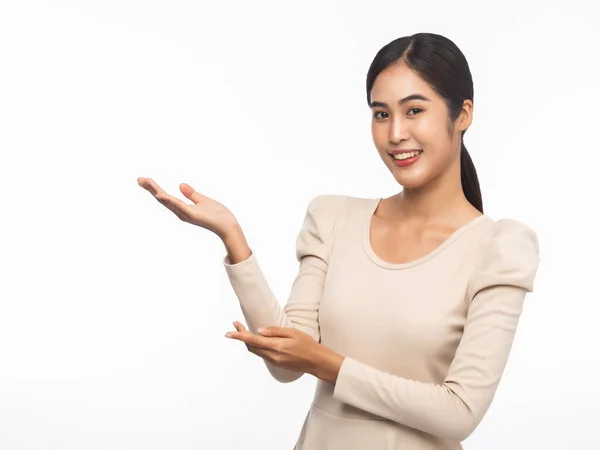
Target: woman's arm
{"points": [[259, 306], [236, 246], [505, 272]]}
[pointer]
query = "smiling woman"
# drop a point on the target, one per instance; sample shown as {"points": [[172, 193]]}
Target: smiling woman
{"points": [[404, 308], [439, 105]]}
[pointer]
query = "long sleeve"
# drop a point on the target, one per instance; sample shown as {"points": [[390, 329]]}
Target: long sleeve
{"points": [[504, 271], [260, 307]]}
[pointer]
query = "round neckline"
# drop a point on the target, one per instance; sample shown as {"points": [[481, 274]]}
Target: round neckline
{"points": [[366, 231]]}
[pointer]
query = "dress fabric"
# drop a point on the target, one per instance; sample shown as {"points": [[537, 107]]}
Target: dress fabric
{"points": [[425, 342]]}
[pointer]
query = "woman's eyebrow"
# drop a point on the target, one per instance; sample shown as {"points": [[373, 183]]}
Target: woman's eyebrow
{"points": [[402, 101]]}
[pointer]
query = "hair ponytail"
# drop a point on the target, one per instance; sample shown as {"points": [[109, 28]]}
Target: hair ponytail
{"points": [[469, 179]]}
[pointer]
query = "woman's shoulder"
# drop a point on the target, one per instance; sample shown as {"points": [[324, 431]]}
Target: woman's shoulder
{"points": [[325, 211], [331, 203], [507, 231], [508, 250]]}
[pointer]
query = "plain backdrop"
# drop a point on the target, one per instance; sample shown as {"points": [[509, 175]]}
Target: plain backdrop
{"points": [[113, 311]]}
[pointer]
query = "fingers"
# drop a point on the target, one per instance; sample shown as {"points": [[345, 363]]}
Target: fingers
{"points": [[285, 332], [190, 193], [239, 326], [179, 208], [252, 339], [151, 186], [258, 345]]}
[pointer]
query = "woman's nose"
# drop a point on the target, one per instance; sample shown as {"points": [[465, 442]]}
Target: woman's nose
{"points": [[398, 132]]}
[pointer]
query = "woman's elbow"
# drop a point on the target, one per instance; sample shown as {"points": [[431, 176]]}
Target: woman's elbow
{"points": [[283, 375], [460, 428]]}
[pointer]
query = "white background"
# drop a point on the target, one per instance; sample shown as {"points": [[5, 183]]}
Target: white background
{"points": [[113, 312]]}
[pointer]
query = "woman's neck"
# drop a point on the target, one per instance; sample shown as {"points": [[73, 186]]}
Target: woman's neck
{"points": [[441, 199]]}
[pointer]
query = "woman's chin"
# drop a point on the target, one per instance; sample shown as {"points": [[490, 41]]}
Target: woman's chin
{"points": [[410, 180]]}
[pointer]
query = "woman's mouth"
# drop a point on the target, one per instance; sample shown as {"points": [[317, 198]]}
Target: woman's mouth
{"points": [[404, 159]]}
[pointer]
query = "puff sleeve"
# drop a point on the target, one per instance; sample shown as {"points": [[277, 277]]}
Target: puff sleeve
{"points": [[504, 271], [260, 307]]}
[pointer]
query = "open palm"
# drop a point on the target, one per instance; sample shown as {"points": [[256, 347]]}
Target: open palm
{"points": [[204, 212]]}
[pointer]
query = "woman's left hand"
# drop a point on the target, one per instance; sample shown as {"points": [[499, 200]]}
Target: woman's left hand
{"points": [[291, 349]]}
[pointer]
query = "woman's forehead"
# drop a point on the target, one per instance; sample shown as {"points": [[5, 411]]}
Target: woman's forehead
{"points": [[397, 82]]}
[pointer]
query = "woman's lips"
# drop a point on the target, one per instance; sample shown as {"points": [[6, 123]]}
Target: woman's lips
{"points": [[404, 162]]}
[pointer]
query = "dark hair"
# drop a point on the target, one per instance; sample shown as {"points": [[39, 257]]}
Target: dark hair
{"points": [[443, 66]]}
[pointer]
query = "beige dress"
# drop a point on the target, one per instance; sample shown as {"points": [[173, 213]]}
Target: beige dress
{"points": [[425, 342]]}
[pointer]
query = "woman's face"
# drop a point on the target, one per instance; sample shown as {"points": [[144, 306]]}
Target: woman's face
{"points": [[408, 115]]}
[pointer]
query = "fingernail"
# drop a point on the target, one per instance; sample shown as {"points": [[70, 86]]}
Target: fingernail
{"points": [[228, 335], [262, 330]]}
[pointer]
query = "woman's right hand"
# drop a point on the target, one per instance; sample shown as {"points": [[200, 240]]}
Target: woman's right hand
{"points": [[205, 212]]}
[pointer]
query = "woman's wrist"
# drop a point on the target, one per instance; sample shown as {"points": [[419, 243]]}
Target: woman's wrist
{"points": [[236, 245], [328, 365]]}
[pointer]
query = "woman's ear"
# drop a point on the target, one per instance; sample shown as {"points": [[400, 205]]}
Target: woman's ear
{"points": [[465, 117]]}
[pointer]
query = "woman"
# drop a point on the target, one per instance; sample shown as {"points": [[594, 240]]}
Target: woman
{"points": [[404, 308]]}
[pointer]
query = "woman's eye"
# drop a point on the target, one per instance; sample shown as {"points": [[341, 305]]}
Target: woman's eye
{"points": [[384, 115]]}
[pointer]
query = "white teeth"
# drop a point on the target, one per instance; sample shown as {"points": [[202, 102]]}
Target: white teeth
{"points": [[407, 155]]}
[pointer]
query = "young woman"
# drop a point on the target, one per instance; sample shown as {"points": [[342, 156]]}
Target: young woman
{"points": [[404, 308]]}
